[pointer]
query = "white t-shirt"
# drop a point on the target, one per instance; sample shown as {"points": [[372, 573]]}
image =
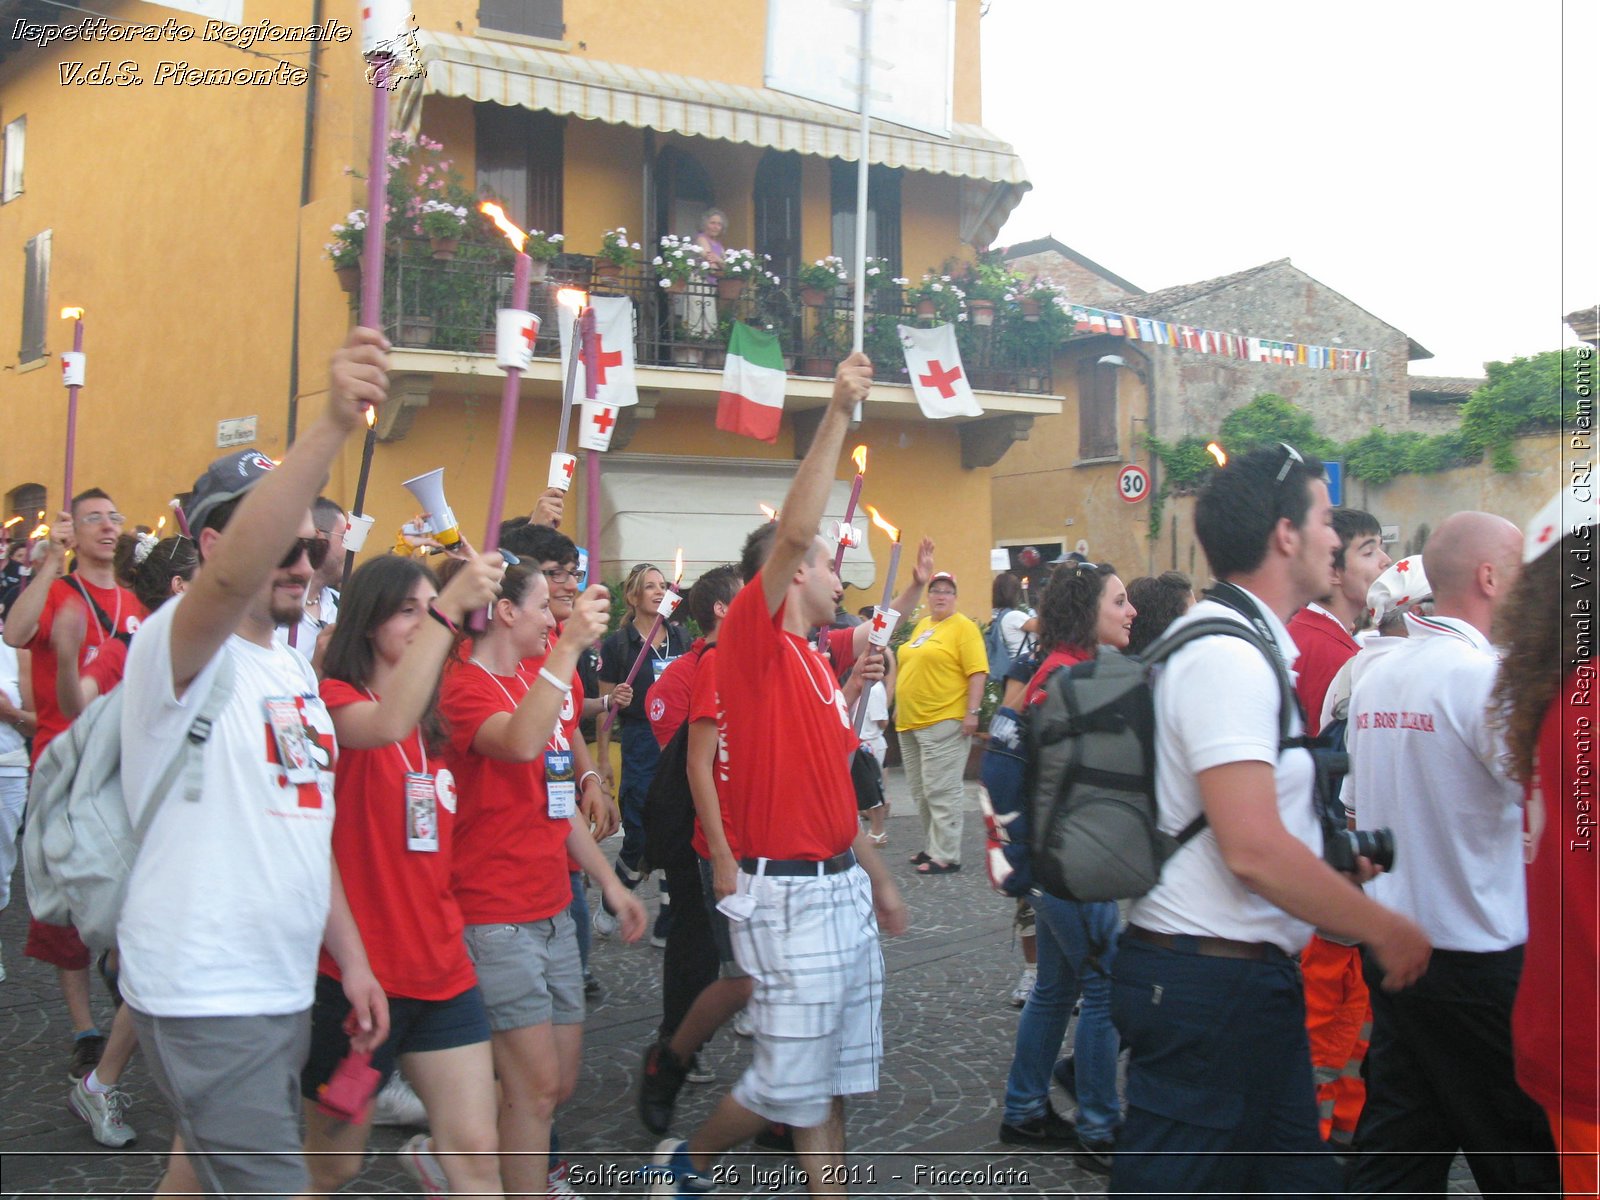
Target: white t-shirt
{"points": [[877, 717], [1011, 634], [228, 898], [1425, 763], [1217, 701], [13, 749]]}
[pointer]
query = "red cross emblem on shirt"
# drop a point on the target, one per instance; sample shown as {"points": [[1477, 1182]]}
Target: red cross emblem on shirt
{"points": [[878, 622], [604, 420], [604, 358], [940, 377]]}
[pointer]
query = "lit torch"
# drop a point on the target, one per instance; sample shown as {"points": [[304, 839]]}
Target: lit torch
{"points": [[884, 618], [768, 511], [1218, 453], [669, 604], [859, 454], [72, 372]]}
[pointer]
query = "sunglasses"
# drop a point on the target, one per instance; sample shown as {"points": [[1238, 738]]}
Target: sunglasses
{"points": [[314, 548]]}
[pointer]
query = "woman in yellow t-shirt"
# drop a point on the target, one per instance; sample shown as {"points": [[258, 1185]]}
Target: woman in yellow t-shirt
{"points": [[943, 667]]}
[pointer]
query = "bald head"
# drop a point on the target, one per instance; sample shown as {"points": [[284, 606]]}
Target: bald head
{"points": [[1472, 560]]}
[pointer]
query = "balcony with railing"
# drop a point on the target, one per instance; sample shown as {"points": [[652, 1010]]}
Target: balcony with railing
{"points": [[447, 304]]}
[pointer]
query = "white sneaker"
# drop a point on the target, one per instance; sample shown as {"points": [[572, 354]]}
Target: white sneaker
{"points": [[103, 1112], [417, 1161], [1024, 988], [604, 923], [698, 1072], [398, 1104], [744, 1024]]}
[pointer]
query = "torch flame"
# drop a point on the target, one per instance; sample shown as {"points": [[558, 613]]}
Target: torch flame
{"points": [[771, 513], [860, 455], [1218, 453], [40, 531], [40, 517], [498, 215], [72, 314], [160, 525], [877, 519], [677, 568], [372, 416], [16, 520], [574, 298]]}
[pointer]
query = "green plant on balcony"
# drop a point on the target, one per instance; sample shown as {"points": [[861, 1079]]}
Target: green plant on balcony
{"points": [[543, 247], [615, 248], [348, 238], [679, 263], [817, 280], [940, 298]]}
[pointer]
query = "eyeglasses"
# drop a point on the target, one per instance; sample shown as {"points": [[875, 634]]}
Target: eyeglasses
{"points": [[941, 591], [1290, 457], [102, 518], [562, 574], [314, 548]]}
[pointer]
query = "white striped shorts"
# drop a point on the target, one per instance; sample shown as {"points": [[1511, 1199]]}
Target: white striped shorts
{"points": [[812, 949]]}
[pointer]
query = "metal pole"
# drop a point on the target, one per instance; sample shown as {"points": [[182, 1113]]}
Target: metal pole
{"points": [[864, 92], [72, 417]]}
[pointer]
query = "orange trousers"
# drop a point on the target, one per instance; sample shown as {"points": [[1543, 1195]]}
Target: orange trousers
{"points": [[1339, 1022], [1579, 1144]]}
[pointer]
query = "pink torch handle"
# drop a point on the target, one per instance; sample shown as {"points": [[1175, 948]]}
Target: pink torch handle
{"points": [[849, 515], [644, 652], [72, 419]]}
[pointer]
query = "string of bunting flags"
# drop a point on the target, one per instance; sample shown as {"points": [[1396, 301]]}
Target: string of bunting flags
{"points": [[1211, 341]]}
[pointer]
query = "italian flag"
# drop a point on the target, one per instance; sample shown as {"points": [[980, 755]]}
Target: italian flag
{"points": [[753, 380]]}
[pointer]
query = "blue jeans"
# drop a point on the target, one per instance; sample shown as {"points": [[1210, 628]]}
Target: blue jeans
{"points": [[1069, 936], [640, 752], [579, 908], [1220, 1096]]}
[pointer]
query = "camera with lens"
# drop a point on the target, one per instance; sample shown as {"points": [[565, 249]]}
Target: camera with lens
{"points": [[1341, 845]]}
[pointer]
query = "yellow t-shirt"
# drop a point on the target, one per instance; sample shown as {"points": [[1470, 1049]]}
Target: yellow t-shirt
{"points": [[935, 663]]}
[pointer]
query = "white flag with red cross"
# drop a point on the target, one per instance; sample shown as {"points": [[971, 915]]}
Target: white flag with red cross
{"points": [[595, 425], [938, 380], [614, 378]]}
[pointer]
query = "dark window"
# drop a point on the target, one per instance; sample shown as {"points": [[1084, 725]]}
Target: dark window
{"points": [[519, 155], [25, 501], [683, 192], [1097, 410], [777, 199], [883, 213], [531, 18], [35, 297]]}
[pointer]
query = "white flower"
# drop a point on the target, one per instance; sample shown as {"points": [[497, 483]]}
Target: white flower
{"points": [[666, 283]]}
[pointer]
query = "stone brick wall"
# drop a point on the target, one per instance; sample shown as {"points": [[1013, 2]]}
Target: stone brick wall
{"points": [[1083, 286]]}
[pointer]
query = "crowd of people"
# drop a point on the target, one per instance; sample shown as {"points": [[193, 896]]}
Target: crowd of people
{"points": [[1335, 982]]}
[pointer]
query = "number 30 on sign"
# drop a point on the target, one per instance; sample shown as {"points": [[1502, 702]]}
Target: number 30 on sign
{"points": [[1133, 483]]}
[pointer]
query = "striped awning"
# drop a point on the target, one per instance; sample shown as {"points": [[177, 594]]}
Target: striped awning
{"points": [[483, 69]]}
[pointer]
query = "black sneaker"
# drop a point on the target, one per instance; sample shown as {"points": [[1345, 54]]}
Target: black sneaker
{"points": [[659, 1084], [85, 1055], [592, 991], [1095, 1156], [1048, 1129]]}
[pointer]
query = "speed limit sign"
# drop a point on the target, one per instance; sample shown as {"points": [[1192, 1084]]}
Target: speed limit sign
{"points": [[1133, 483]]}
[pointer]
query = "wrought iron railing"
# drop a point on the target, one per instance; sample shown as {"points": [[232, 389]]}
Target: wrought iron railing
{"points": [[448, 303]]}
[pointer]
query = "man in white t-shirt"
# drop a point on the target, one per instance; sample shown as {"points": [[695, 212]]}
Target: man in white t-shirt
{"points": [[1426, 763], [1207, 994], [232, 894], [321, 608]]}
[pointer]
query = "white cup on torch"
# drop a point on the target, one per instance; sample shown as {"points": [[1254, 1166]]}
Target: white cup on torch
{"points": [[882, 625], [355, 534], [669, 603], [562, 467]]}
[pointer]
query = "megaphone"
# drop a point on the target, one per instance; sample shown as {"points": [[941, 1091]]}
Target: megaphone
{"points": [[438, 520]]}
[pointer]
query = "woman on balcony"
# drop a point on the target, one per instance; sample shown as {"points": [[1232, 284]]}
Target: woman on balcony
{"points": [[699, 304]]}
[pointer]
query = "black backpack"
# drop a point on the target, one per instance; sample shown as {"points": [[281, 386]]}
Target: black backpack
{"points": [[669, 805], [1093, 813]]}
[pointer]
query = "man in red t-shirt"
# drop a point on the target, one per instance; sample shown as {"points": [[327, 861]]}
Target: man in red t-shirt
{"points": [[1338, 1009], [812, 889], [112, 613]]}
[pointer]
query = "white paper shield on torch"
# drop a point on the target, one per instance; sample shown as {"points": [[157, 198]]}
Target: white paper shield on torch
{"points": [[882, 625], [562, 468], [596, 423], [669, 603], [383, 24], [515, 331], [355, 534], [73, 364]]}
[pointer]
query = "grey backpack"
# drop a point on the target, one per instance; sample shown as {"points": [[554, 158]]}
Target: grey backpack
{"points": [[79, 847], [1093, 810]]}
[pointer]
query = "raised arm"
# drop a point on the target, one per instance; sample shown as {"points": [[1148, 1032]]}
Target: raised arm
{"points": [[239, 561], [808, 494], [23, 620]]}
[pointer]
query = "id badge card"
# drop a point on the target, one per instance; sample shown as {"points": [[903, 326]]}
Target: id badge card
{"points": [[659, 665], [289, 732], [422, 812], [560, 785]]}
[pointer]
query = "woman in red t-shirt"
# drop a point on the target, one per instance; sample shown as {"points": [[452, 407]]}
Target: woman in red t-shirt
{"points": [[1546, 691], [395, 807], [517, 797]]}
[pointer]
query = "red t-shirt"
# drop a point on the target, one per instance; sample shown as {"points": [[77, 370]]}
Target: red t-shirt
{"points": [[704, 706], [566, 734], [510, 857], [788, 736], [1061, 656], [108, 666], [668, 704], [409, 920], [1553, 1024], [841, 649], [1325, 645], [118, 603]]}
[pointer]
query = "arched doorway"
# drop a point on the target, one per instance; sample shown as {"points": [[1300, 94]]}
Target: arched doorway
{"points": [[683, 192]]}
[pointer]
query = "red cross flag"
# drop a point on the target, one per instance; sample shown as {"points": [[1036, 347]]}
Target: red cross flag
{"points": [[614, 379], [384, 24], [1574, 507], [595, 425], [938, 380]]}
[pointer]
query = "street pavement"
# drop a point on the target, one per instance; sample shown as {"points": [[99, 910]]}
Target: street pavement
{"points": [[931, 1129]]}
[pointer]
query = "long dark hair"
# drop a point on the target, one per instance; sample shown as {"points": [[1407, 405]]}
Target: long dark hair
{"points": [[1070, 609], [1548, 625], [1007, 591], [1159, 601], [150, 578], [376, 591]]}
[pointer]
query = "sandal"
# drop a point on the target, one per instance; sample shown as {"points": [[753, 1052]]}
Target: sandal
{"points": [[920, 857], [879, 839], [938, 868]]}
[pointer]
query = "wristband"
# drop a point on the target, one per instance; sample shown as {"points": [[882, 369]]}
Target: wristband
{"points": [[444, 620], [555, 680], [605, 702], [586, 776]]}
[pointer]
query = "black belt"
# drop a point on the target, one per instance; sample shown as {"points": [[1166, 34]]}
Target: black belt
{"points": [[1207, 947], [799, 866]]}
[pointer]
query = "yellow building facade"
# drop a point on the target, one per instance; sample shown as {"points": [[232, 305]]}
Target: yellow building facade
{"points": [[189, 222]]}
